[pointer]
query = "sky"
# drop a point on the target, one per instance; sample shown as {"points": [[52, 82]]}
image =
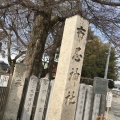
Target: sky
{"points": [[5, 59]]}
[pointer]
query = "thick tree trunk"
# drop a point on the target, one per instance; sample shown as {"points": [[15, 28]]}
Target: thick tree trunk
{"points": [[36, 46], [11, 70], [12, 65], [57, 43], [51, 62]]}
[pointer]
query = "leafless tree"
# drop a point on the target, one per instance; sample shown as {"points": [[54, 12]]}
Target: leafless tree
{"points": [[32, 20]]}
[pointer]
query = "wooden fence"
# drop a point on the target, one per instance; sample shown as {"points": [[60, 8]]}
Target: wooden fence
{"points": [[38, 95]]}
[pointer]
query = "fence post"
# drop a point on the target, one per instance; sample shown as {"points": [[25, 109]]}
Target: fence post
{"points": [[51, 90], [41, 99], [15, 93], [81, 102], [26, 113], [96, 106], [88, 103]]}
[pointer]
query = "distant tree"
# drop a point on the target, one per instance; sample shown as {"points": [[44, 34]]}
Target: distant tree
{"points": [[95, 59]]}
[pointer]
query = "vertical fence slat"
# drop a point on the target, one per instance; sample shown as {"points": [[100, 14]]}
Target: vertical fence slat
{"points": [[80, 102], [51, 89], [4, 80], [15, 93], [88, 103], [23, 98], [26, 113], [96, 106], [41, 99]]}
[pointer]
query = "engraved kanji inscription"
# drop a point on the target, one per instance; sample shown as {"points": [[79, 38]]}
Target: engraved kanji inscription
{"points": [[74, 74], [29, 99], [28, 109], [40, 109], [77, 56], [29, 103], [44, 91], [32, 91], [42, 100], [18, 83], [69, 99], [81, 32], [45, 82], [31, 94]]}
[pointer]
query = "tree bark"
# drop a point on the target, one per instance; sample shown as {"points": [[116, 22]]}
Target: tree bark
{"points": [[56, 44], [36, 46], [51, 62]]}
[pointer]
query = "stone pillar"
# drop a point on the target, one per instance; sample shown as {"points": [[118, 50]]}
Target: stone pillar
{"points": [[15, 93], [41, 99], [88, 105], [96, 106], [81, 102], [27, 109], [65, 91]]}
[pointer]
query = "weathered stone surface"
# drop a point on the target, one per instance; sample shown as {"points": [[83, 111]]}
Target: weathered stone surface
{"points": [[26, 113], [81, 102], [65, 90], [88, 105], [109, 99], [96, 106], [15, 93], [41, 99], [100, 85], [50, 97]]}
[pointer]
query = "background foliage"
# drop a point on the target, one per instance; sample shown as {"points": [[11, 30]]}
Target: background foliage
{"points": [[95, 59]]}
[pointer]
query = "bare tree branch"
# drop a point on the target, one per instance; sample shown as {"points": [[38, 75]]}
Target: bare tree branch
{"points": [[16, 33], [27, 3], [8, 5], [105, 2], [19, 55], [57, 19], [9, 46]]}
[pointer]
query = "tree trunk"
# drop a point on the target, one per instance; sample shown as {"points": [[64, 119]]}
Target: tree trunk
{"points": [[56, 44], [12, 65], [36, 46], [51, 62]]}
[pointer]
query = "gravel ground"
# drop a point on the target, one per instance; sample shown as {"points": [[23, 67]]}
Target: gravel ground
{"points": [[114, 113]]}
